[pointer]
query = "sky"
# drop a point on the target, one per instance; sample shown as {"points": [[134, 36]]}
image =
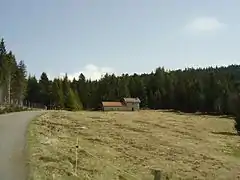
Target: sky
{"points": [[95, 37]]}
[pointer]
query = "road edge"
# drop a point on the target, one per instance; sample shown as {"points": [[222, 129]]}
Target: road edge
{"points": [[28, 144]]}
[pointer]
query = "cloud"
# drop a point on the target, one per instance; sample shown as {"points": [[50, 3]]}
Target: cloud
{"points": [[202, 24], [90, 71]]}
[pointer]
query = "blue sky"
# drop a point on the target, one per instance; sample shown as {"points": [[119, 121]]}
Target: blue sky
{"points": [[97, 36]]}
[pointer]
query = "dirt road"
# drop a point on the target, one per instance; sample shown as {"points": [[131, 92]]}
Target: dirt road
{"points": [[12, 143]]}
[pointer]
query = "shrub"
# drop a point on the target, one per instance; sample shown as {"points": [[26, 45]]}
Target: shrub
{"points": [[234, 104], [12, 108], [237, 124], [2, 111]]}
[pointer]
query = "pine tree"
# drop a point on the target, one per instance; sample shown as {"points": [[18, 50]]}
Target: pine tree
{"points": [[33, 95], [8, 69], [19, 83], [45, 91], [71, 101], [82, 90], [57, 92], [78, 100], [2, 58], [2, 70]]}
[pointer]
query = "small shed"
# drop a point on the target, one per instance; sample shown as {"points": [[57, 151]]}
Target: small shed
{"points": [[112, 106], [132, 104]]}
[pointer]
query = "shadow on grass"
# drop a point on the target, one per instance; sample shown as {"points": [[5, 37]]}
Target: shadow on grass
{"points": [[226, 133]]}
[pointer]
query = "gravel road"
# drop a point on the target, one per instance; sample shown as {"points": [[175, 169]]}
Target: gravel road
{"points": [[12, 143]]}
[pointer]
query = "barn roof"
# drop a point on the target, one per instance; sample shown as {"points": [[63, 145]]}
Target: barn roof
{"points": [[112, 104], [132, 100]]}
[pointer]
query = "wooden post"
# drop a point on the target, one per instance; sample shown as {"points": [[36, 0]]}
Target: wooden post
{"points": [[76, 157], [157, 174]]}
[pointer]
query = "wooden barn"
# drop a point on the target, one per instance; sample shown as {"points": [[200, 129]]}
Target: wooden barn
{"points": [[127, 104]]}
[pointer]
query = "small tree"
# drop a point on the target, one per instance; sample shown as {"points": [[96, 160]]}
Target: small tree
{"points": [[72, 102], [78, 100]]}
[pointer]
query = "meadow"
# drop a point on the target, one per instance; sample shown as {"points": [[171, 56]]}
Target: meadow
{"points": [[130, 145]]}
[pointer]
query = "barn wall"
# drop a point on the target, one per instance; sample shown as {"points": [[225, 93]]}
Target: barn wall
{"points": [[134, 106], [123, 108], [113, 108], [128, 107]]}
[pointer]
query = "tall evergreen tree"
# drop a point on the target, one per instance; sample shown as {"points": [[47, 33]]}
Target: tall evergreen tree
{"points": [[2, 70], [33, 95], [57, 92], [45, 91], [19, 83]]}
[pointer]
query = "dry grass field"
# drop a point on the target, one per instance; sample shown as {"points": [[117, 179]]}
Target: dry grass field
{"points": [[128, 145]]}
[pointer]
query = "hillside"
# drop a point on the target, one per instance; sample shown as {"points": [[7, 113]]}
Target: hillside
{"points": [[128, 145]]}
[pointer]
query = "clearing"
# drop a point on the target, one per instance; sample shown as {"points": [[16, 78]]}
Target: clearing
{"points": [[128, 145]]}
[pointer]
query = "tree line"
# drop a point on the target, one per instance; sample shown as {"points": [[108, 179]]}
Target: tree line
{"points": [[212, 90], [12, 77]]}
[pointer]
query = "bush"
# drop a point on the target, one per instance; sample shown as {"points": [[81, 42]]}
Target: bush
{"points": [[234, 104], [11, 108], [2, 111], [237, 124]]}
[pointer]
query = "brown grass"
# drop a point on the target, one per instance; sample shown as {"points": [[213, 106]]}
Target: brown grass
{"points": [[127, 145]]}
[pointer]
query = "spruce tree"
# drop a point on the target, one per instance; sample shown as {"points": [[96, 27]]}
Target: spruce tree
{"points": [[57, 92], [71, 101]]}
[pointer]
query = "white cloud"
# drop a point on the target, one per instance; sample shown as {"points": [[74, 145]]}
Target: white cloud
{"points": [[205, 24], [90, 71]]}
